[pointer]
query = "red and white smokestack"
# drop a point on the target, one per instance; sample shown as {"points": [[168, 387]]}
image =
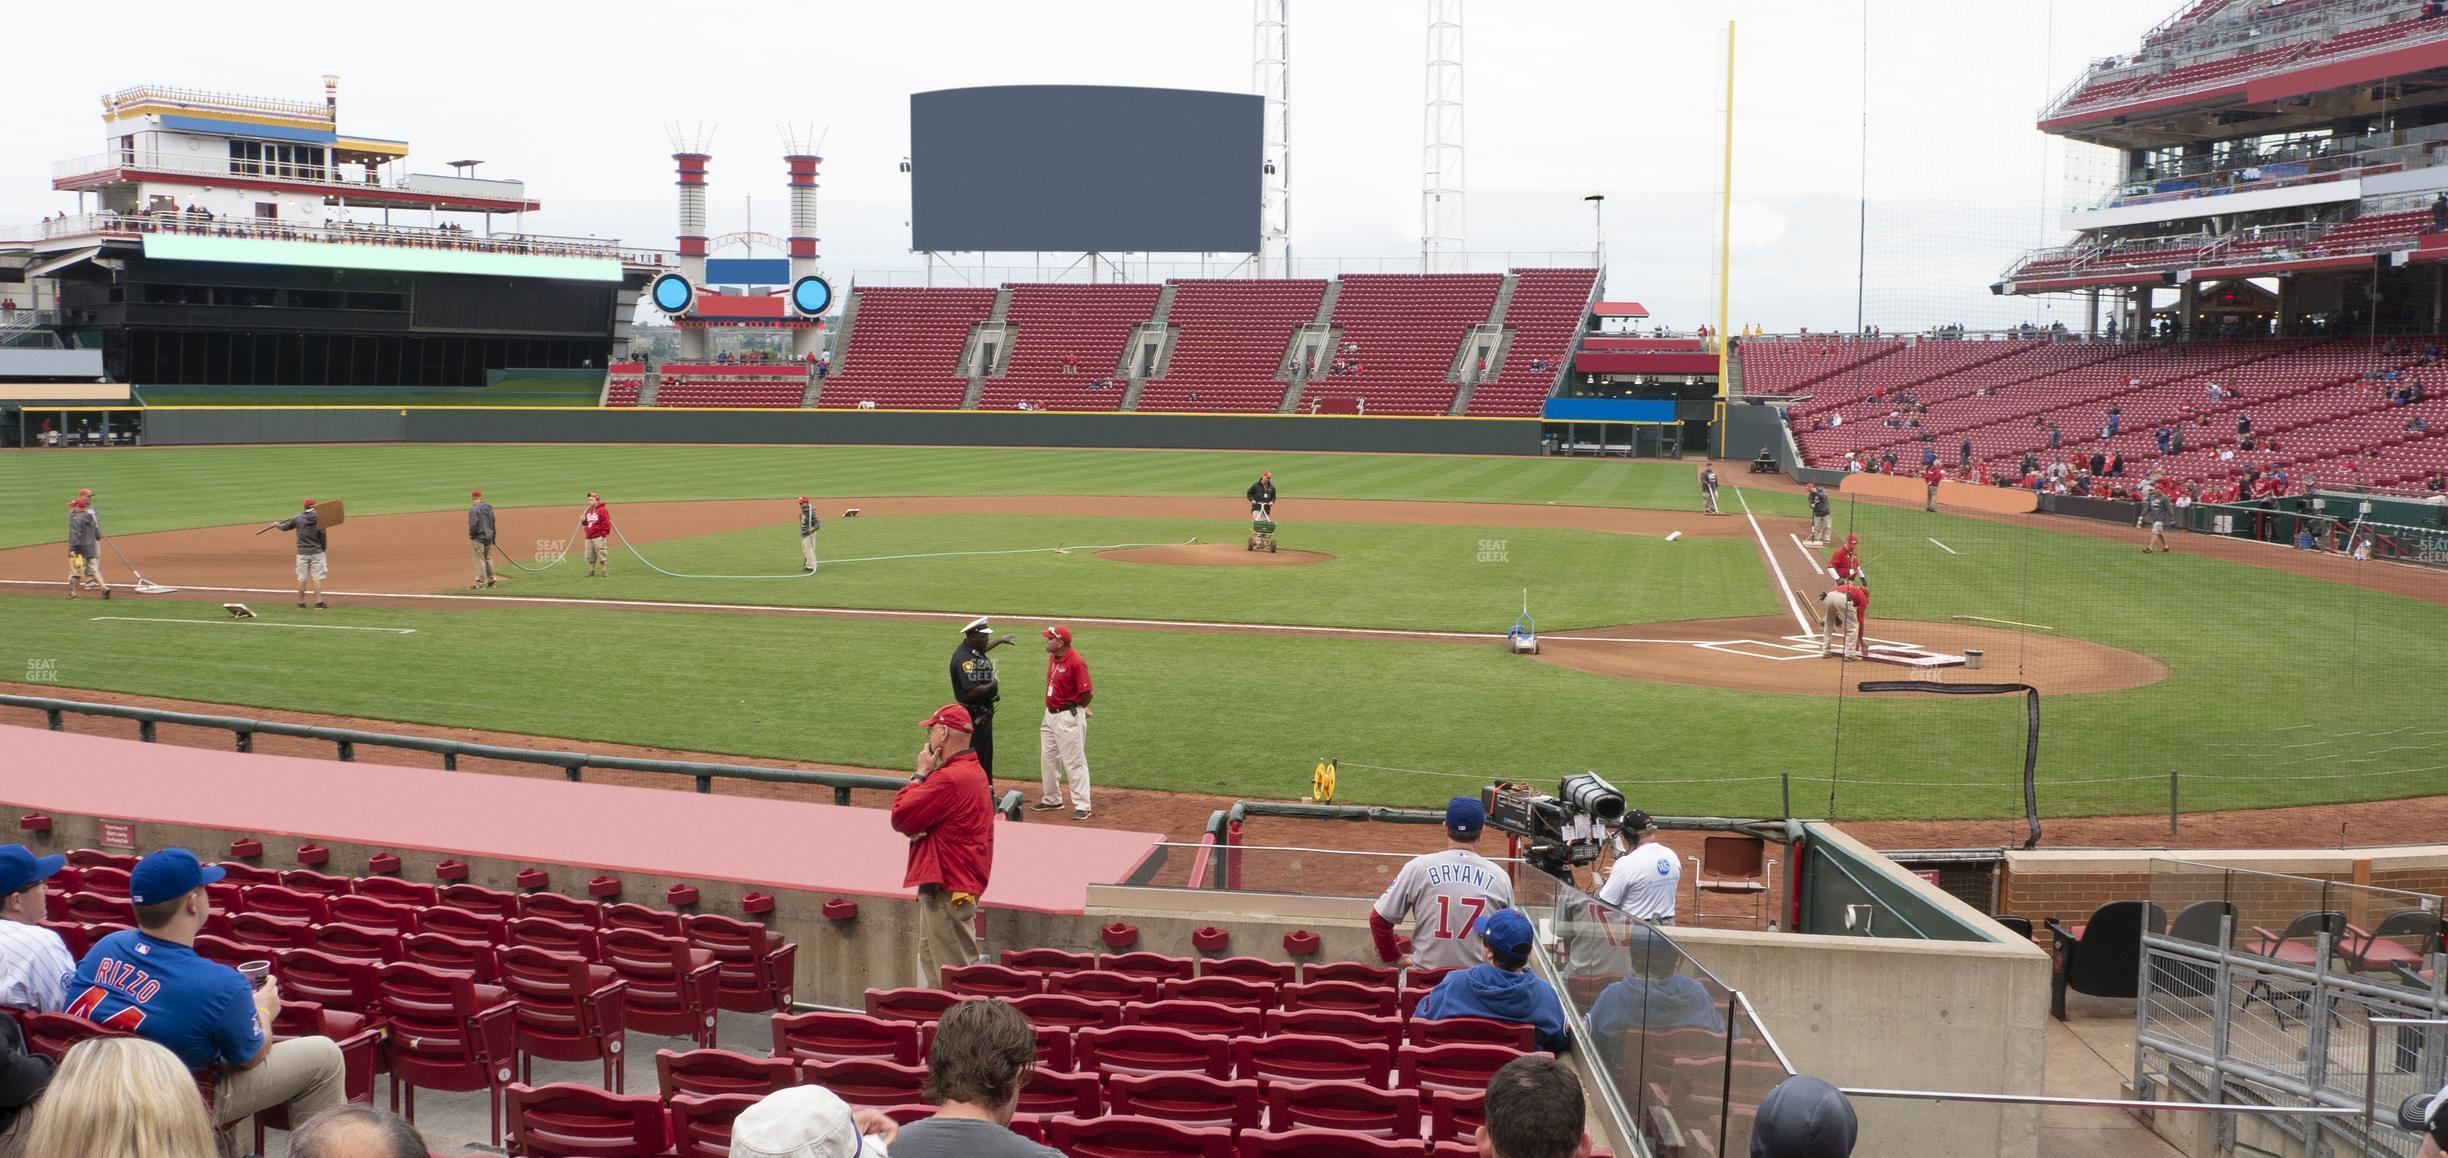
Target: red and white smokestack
{"points": [[692, 170], [802, 213]]}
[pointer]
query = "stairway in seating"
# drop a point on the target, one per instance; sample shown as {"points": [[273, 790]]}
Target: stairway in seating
{"points": [[1504, 301], [841, 348], [1164, 357], [977, 381], [650, 386]]}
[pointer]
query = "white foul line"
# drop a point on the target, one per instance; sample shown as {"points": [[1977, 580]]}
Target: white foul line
{"points": [[1808, 559], [1791, 604], [249, 623], [1943, 547]]}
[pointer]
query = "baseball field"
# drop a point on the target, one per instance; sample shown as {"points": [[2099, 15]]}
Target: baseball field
{"points": [[1677, 655]]}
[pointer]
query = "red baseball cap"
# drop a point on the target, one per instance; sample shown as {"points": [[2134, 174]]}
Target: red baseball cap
{"points": [[84, 491], [475, 494], [1059, 632], [310, 504], [952, 716], [803, 500]]}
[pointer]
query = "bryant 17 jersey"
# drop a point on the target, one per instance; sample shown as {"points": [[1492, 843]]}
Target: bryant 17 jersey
{"points": [[1446, 895]]}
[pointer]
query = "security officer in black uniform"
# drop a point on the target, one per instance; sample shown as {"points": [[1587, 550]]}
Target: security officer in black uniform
{"points": [[974, 686]]}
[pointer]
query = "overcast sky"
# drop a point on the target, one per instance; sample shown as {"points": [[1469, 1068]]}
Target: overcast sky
{"points": [[1563, 98]]}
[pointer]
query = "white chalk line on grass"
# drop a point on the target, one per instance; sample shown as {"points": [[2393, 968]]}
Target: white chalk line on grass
{"points": [[1943, 547], [250, 623], [1791, 604], [1810, 561]]}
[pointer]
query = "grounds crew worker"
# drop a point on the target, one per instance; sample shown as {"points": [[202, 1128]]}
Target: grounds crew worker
{"points": [[808, 522], [1262, 496], [1819, 516], [84, 542], [93, 569], [2157, 513], [596, 525], [480, 539], [976, 689], [1844, 617], [1708, 490], [312, 567], [947, 811]]}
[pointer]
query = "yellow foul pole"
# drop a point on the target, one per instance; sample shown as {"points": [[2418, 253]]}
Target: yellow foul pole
{"points": [[1725, 245]]}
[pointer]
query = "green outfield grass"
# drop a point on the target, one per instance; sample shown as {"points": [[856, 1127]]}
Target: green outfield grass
{"points": [[1414, 577], [2283, 690], [167, 488]]}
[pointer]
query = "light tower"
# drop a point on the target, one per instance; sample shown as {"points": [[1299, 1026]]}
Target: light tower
{"points": [[800, 155], [1441, 149], [1271, 78], [689, 160]]}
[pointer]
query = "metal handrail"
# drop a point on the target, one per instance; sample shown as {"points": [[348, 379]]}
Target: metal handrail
{"points": [[306, 110], [421, 236], [346, 740]]}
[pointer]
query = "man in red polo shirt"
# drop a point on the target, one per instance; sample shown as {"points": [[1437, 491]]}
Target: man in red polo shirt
{"points": [[1929, 477], [1062, 745], [947, 811]]}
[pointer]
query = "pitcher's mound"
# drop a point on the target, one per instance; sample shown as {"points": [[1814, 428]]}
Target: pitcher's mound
{"points": [[1232, 554]]}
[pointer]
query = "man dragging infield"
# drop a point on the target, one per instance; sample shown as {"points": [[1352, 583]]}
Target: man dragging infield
{"points": [[312, 567]]}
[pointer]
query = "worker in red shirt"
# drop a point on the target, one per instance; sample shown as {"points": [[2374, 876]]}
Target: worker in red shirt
{"points": [[947, 811], [1844, 618], [1062, 741], [1929, 477], [596, 525], [1846, 563]]}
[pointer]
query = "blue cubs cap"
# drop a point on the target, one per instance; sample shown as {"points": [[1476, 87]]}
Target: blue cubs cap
{"points": [[168, 875], [1464, 816], [1507, 931], [19, 867]]}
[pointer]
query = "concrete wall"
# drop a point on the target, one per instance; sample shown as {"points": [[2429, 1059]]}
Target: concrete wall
{"points": [[172, 425], [1931, 1015], [2069, 884]]}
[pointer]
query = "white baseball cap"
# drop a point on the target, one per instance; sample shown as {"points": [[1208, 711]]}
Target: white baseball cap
{"points": [[798, 1122]]}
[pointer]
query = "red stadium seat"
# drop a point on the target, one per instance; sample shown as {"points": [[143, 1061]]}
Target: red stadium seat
{"points": [[1155, 965], [288, 904], [1233, 991], [1352, 971], [373, 914], [96, 908], [556, 937], [1056, 1092], [1423, 979], [706, 1072], [464, 924], [74, 936], [221, 949], [478, 959], [822, 1036], [864, 1081], [1186, 1099], [1445, 1031], [1251, 969], [396, 891], [443, 1038], [330, 981], [991, 981], [357, 942], [1343, 1105], [105, 880], [757, 970], [1133, 1049], [1117, 1136], [635, 916], [318, 884], [1055, 1049], [671, 987], [1098, 985], [52, 1035], [361, 1056], [1324, 1144], [490, 902], [1350, 996], [1062, 1009], [701, 1125], [568, 1010], [271, 933], [1046, 960], [1365, 1028], [1454, 1113], [910, 1004], [1464, 1066], [567, 910], [242, 874], [1294, 1057], [1197, 1017], [90, 858], [573, 1121]]}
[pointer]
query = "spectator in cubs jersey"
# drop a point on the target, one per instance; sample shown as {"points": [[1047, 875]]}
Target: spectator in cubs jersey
{"points": [[1444, 895], [1501, 986]]}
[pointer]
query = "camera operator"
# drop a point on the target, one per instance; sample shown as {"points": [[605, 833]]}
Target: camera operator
{"points": [[1644, 880], [2435, 1131]]}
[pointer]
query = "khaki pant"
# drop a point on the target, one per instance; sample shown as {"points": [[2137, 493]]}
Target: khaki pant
{"points": [[947, 933], [599, 551], [483, 553], [303, 1073], [1708, 500], [807, 551], [1930, 503], [1819, 529], [1062, 750], [1841, 630]]}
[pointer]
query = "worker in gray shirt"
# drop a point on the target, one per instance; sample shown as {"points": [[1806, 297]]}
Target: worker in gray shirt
{"points": [[312, 567], [84, 541], [2157, 513], [480, 539]]}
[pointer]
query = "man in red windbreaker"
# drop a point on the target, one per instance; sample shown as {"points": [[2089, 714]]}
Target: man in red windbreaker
{"points": [[947, 811], [596, 525], [1847, 562], [1929, 477]]}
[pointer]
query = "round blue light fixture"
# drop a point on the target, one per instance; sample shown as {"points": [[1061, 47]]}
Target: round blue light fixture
{"points": [[810, 295], [672, 293]]}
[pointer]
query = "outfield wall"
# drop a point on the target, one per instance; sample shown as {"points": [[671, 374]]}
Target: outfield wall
{"points": [[193, 426]]}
